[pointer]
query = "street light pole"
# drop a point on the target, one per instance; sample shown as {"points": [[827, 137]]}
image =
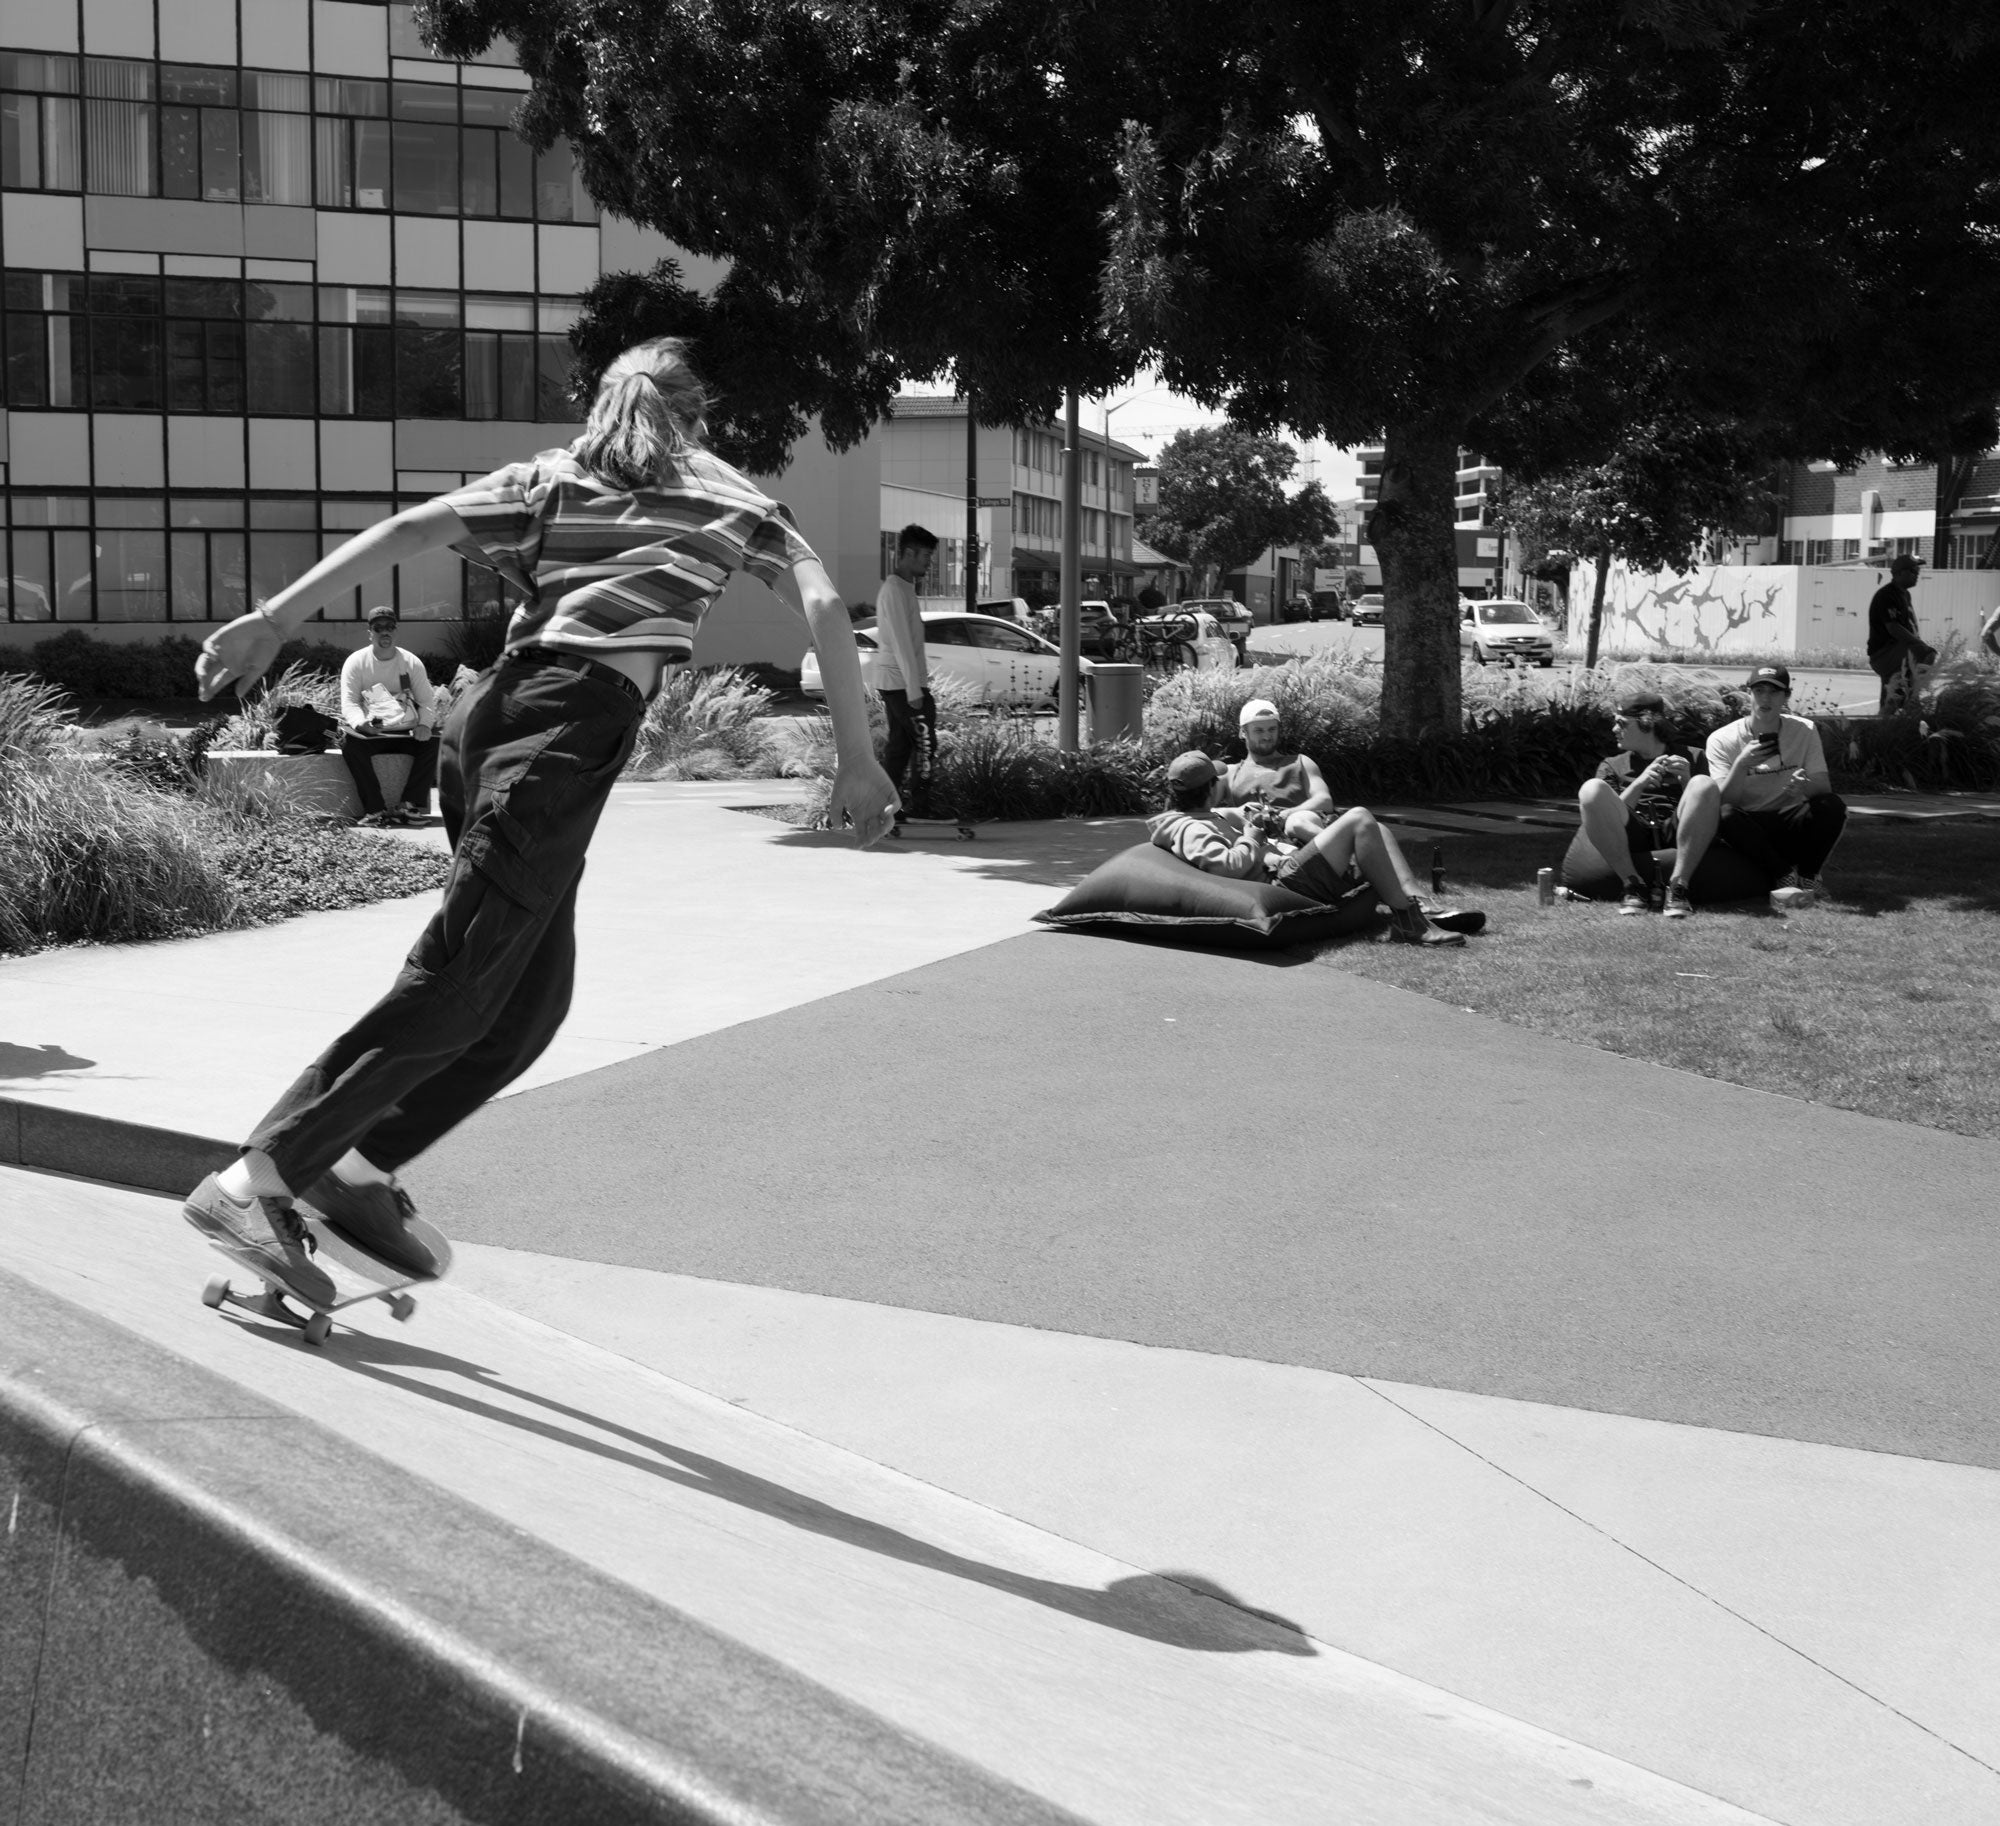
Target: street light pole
{"points": [[1068, 720], [971, 507]]}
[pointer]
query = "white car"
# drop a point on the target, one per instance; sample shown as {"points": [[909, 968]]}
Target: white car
{"points": [[1213, 650], [1233, 617], [1006, 666], [1504, 630]]}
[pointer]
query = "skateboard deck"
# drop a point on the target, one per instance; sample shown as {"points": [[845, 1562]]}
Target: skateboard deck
{"points": [[363, 1277], [934, 827]]}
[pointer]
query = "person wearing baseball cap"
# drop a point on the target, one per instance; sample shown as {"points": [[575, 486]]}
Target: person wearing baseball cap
{"points": [[1778, 803], [1653, 794], [1898, 657], [1353, 855], [1272, 774], [386, 704]]}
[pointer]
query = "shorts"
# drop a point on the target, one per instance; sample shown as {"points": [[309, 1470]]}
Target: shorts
{"points": [[1307, 871]]}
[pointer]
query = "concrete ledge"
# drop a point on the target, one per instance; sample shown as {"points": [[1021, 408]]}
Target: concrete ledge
{"points": [[56, 1140], [211, 1608], [317, 782]]}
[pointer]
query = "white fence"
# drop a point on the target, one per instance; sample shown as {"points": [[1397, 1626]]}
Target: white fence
{"points": [[1769, 608]]}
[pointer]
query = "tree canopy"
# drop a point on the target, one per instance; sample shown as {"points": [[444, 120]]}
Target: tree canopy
{"points": [[1441, 223], [1223, 498]]}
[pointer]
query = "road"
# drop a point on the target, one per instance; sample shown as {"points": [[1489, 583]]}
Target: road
{"points": [[1822, 689]]}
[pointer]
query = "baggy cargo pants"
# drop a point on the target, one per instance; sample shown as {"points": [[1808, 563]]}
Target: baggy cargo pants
{"points": [[527, 760]]}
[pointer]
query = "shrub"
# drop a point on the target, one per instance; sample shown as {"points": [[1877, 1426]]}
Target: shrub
{"points": [[145, 670], [255, 721], [31, 720], [475, 643], [704, 724]]}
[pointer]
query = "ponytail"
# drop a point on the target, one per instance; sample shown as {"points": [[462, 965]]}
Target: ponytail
{"points": [[648, 412]]}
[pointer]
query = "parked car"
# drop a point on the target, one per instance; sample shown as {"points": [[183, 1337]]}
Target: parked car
{"points": [[1007, 666], [1505, 630], [1008, 608], [1328, 606], [1296, 608], [1097, 627], [1214, 651], [1368, 610]]}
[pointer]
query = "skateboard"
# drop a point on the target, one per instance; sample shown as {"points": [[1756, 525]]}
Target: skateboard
{"points": [[382, 1281]]}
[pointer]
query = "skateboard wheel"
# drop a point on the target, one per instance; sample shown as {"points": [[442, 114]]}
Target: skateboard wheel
{"points": [[216, 1291], [318, 1328], [402, 1306]]}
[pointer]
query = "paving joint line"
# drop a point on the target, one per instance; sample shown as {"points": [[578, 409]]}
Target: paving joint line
{"points": [[1686, 1584]]}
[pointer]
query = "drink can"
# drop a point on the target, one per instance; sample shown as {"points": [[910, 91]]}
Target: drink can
{"points": [[1545, 886], [1437, 868]]}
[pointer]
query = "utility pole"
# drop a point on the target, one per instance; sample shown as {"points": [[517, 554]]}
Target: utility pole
{"points": [[971, 507], [1068, 721]]}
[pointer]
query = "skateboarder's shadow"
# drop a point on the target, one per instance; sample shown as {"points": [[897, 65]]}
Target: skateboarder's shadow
{"points": [[1182, 1609]]}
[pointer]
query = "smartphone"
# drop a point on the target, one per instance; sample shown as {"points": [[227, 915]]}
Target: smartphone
{"points": [[1769, 744]]}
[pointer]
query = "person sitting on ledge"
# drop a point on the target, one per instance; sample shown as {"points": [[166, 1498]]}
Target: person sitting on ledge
{"points": [[1272, 775], [1651, 795], [1778, 803], [1353, 853], [385, 708]]}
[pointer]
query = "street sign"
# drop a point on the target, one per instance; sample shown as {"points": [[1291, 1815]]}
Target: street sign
{"points": [[996, 500]]}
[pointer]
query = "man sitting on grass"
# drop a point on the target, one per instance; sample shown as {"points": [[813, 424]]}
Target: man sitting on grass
{"points": [[1271, 775], [1651, 795], [1352, 854], [1778, 803]]}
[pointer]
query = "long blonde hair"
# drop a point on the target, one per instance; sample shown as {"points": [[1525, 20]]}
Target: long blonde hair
{"points": [[649, 410]]}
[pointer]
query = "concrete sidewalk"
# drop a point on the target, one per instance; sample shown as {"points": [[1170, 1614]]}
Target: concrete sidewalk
{"points": [[930, 1303]]}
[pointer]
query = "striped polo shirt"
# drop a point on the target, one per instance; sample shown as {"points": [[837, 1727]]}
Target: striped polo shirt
{"points": [[606, 569]]}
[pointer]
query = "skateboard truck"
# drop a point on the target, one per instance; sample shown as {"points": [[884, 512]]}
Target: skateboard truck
{"points": [[379, 1280], [316, 1322]]}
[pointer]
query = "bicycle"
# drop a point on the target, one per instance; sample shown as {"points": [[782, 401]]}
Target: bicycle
{"points": [[1160, 644]]}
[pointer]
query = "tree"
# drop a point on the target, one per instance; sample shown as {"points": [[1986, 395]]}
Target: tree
{"points": [[1223, 500], [1443, 223], [1654, 502]]}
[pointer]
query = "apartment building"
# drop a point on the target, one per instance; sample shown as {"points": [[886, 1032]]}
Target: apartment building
{"points": [[1478, 484], [1020, 490], [1880, 508], [269, 271]]}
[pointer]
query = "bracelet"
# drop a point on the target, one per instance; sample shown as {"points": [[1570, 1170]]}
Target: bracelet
{"points": [[269, 620]]}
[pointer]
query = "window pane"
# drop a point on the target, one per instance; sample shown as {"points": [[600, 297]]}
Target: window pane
{"points": [[205, 510], [481, 177], [62, 145], [204, 298], [489, 107], [427, 373], [27, 360], [424, 101], [72, 575], [431, 588], [371, 164], [124, 294], [221, 160], [33, 70], [20, 142], [119, 140], [277, 90], [355, 369], [277, 301], [496, 311], [350, 95], [30, 586], [433, 309], [426, 168], [131, 576], [277, 159], [228, 576], [552, 404], [518, 377], [198, 85], [277, 559], [180, 152], [353, 514], [131, 510], [482, 374], [554, 192], [294, 515], [281, 368], [189, 555], [69, 373], [225, 367], [187, 386], [517, 177], [125, 363], [333, 154]]}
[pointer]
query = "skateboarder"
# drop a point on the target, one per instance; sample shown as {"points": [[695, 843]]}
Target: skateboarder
{"points": [[619, 543]]}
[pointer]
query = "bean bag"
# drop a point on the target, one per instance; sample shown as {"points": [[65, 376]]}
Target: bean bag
{"points": [[1722, 874], [1148, 892]]}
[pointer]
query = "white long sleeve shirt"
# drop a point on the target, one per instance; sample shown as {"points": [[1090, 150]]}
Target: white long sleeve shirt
{"points": [[403, 677], [901, 663]]}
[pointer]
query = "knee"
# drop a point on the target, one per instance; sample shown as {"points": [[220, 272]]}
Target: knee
{"points": [[1356, 822], [1303, 826], [1700, 792], [1594, 792], [1830, 808]]}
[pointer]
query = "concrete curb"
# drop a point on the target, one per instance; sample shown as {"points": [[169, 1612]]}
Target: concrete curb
{"points": [[55, 1140], [211, 1607]]}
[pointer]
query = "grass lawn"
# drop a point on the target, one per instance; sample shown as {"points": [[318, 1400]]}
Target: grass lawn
{"points": [[1885, 999]]}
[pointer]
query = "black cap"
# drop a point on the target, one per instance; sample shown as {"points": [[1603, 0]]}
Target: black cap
{"points": [[1769, 675], [382, 612], [1633, 702]]}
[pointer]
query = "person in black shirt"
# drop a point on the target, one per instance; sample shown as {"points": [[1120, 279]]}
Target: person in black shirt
{"points": [[1900, 659], [1651, 795]]}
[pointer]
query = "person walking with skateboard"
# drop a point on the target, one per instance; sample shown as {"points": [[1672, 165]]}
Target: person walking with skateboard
{"points": [[620, 544], [902, 668]]}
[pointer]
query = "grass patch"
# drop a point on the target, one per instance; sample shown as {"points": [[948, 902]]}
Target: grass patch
{"points": [[1884, 1000], [279, 871]]}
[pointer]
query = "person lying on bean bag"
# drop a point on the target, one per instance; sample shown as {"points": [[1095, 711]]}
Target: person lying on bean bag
{"points": [[1354, 854]]}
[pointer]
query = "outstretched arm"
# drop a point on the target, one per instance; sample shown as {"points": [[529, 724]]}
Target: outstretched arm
{"points": [[239, 653], [861, 790]]}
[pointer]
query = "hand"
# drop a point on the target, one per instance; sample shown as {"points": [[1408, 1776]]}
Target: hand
{"points": [[863, 796], [238, 655]]}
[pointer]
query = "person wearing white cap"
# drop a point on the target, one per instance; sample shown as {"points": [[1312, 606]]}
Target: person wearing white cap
{"points": [[1271, 775]]}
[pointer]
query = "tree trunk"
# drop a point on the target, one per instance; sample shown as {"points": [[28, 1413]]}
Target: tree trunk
{"points": [[1411, 530], [1596, 609]]}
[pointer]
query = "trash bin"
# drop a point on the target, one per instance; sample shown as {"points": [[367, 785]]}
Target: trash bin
{"points": [[1117, 698]]}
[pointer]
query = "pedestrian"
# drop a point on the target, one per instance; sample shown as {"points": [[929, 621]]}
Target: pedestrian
{"points": [[902, 668], [1989, 634], [620, 543], [1900, 659], [386, 707]]}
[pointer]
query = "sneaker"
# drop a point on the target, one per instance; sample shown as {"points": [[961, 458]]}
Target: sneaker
{"points": [[1678, 906], [375, 1217], [1408, 926], [371, 821], [1454, 919], [1814, 885], [262, 1233], [1638, 898], [1791, 892]]}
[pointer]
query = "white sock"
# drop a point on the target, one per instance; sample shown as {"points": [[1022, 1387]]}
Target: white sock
{"points": [[250, 1176], [358, 1171]]}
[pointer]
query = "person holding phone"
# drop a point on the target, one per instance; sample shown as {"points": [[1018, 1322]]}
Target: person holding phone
{"points": [[1778, 803], [1651, 795]]}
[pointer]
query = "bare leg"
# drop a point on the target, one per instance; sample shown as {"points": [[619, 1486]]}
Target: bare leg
{"points": [[1356, 839], [1695, 825], [1303, 825], [1604, 817]]}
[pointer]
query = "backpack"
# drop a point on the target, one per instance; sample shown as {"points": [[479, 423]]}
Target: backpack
{"points": [[303, 730]]}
